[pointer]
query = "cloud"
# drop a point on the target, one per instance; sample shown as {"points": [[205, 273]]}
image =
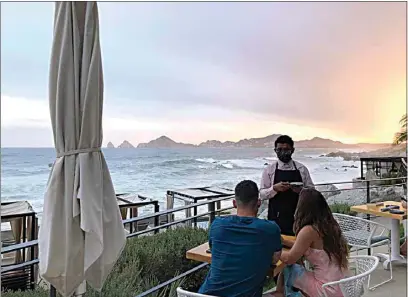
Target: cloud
{"points": [[26, 122], [225, 66], [295, 62], [23, 112], [18, 113]]}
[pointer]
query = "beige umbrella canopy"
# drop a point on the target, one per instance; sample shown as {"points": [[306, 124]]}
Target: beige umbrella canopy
{"points": [[81, 235]]}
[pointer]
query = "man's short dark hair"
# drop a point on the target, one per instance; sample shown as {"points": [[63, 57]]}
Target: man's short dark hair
{"points": [[246, 193], [284, 139]]}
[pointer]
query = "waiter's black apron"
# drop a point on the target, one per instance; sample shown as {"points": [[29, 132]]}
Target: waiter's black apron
{"points": [[282, 206]]}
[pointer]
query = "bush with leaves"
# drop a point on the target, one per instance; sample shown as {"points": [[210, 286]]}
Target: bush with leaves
{"points": [[342, 208], [147, 262]]}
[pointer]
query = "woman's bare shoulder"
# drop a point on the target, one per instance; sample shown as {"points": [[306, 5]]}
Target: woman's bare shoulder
{"points": [[309, 231]]}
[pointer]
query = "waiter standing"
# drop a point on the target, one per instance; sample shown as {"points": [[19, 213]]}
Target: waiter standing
{"points": [[281, 197]]}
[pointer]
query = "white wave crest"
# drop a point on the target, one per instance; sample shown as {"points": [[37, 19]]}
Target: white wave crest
{"points": [[233, 163]]}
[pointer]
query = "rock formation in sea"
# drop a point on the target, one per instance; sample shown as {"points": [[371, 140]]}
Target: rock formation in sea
{"points": [[126, 144], [110, 145]]}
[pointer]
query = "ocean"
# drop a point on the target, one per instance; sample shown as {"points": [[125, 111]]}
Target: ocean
{"points": [[151, 172]]}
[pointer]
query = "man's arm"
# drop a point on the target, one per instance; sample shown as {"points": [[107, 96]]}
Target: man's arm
{"points": [[275, 242], [266, 189], [307, 180]]}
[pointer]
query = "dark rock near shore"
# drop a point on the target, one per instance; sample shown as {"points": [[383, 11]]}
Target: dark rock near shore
{"points": [[344, 155], [359, 196], [328, 190]]}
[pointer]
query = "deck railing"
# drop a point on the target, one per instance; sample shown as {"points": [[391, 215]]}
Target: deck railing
{"points": [[214, 208]]}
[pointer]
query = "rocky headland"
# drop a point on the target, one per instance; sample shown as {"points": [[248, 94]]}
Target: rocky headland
{"points": [[389, 151]]}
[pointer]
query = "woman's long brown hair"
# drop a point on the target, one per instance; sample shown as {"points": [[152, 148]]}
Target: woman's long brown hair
{"points": [[313, 210]]}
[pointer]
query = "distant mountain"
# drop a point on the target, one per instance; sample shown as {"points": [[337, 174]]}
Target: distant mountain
{"points": [[318, 142], [268, 141], [126, 144], [261, 142], [164, 142], [374, 146], [110, 145], [212, 143]]}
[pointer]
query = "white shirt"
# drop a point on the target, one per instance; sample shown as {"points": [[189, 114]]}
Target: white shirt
{"points": [[268, 176]]}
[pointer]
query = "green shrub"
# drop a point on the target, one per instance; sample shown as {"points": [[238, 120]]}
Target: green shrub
{"points": [[146, 262], [164, 255], [342, 208], [37, 293], [269, 284]]}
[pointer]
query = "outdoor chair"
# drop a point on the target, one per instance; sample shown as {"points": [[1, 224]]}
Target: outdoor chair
{"points": [[354, 286], [23, 228], [364, 234], [183, 293]]}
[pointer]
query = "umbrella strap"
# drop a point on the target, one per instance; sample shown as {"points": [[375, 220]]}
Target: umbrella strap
{"points": [[79, 151]]}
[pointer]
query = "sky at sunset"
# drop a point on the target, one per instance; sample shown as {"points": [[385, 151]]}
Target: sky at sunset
{"points": [[226, 71]]}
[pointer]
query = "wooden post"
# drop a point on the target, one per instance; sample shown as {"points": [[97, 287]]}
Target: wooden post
{"points": [[134, 212], [188, 213], [170, 205]]}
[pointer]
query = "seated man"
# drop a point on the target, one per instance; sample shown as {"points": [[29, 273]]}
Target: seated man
{"points": [[243, 248]]}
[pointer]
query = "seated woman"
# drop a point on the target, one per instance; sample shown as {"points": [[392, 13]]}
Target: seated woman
{"points": [[320, 241]]}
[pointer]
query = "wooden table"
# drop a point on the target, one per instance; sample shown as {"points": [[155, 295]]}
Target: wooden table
{"points": [[200, 254], [396, 219]]}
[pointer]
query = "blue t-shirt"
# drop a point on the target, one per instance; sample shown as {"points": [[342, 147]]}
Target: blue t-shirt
{"points": [[242, 249]]}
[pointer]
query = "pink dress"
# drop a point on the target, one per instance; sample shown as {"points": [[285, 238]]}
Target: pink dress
{"points": [[310, 282]]}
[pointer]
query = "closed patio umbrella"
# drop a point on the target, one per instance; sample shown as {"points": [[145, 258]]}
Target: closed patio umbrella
{"points": [[81, 234]]}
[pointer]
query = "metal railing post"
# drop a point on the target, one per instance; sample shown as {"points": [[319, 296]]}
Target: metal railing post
{"points": [[195, 212], [32, 249], [368, 199], [156, 221], [211, 209]]}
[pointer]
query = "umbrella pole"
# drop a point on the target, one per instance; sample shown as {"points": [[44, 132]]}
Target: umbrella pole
{"points": [[53, 291]]}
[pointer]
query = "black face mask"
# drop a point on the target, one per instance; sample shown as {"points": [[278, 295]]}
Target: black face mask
{"points": [[284, 155]]}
